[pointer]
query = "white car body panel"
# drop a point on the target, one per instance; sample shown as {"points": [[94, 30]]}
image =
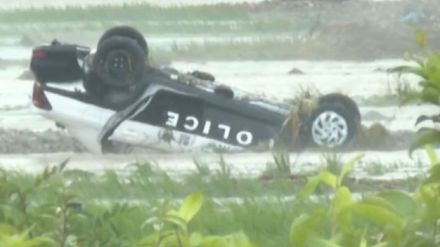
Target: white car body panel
{"points": [[86, 121]]}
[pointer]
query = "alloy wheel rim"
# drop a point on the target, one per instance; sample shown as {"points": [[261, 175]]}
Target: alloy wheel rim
{"points": [[329, 129]]}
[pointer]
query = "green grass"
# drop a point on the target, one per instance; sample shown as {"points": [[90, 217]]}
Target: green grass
{"points": [[221, 18], [98, 208], [128, 12], [156, 28], [120, 209], [145, 182]]}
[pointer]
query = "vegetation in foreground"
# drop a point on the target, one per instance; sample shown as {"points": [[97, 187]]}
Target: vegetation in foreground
{"points": [[427, 68], [143, 208]]}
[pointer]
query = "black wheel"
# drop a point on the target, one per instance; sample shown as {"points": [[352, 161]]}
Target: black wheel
{"points": [[331, 126], [344, 101], [127, 32], [119, 62]]}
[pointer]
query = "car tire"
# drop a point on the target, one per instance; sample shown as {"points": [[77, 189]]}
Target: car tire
{"points": [[127, 32], [344, 101], [119, 62], [331, 126]]}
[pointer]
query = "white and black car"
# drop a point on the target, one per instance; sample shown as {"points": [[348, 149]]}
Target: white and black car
{"points": [[113, 96]]}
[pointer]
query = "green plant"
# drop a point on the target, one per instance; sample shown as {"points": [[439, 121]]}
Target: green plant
{"points": [[280, 167], [387, 218], [172, 229], [9, 238], [427, 68]]}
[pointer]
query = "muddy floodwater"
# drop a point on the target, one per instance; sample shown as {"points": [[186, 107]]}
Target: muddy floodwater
{"points": [[23, 131]]}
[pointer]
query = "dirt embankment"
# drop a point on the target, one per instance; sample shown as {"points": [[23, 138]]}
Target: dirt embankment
{"points": [[360, 30], [26, 142], [23, 141]]}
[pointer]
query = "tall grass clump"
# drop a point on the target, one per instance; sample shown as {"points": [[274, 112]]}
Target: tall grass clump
{"points": [[427, 69]]}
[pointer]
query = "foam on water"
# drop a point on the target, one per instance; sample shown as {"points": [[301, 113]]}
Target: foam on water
{"points": [[271, 78], [15, 52]]}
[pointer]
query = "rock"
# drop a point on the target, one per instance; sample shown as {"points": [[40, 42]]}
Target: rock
{"points": [[296, 71]]}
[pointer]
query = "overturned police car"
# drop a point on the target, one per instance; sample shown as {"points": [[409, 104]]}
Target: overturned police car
{"points": [[113, 96]]}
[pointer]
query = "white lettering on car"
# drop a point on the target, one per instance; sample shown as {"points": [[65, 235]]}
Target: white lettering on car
{"points": [[191, 123], [244, 138], [173, 119], [226, 130], [207, 127]]}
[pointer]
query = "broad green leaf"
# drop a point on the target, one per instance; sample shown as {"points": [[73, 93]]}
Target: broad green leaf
{"points": [[317, 241], [190, 206], [433, 160], [195, 239], [328, 178], [303, 226], [403, 202], [378, 201], [432, 83], [21, 240], [363, 242], [6, 229], [433, 68], [415, 58], [425, 137], [427, 193], [150, 240], [347, 167], [177, 221], [342, 199], [310, 187], [238, 240], [434, 175], [156, 238], [173, 241], [430, 94], [377, 214], [214, 241]]}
